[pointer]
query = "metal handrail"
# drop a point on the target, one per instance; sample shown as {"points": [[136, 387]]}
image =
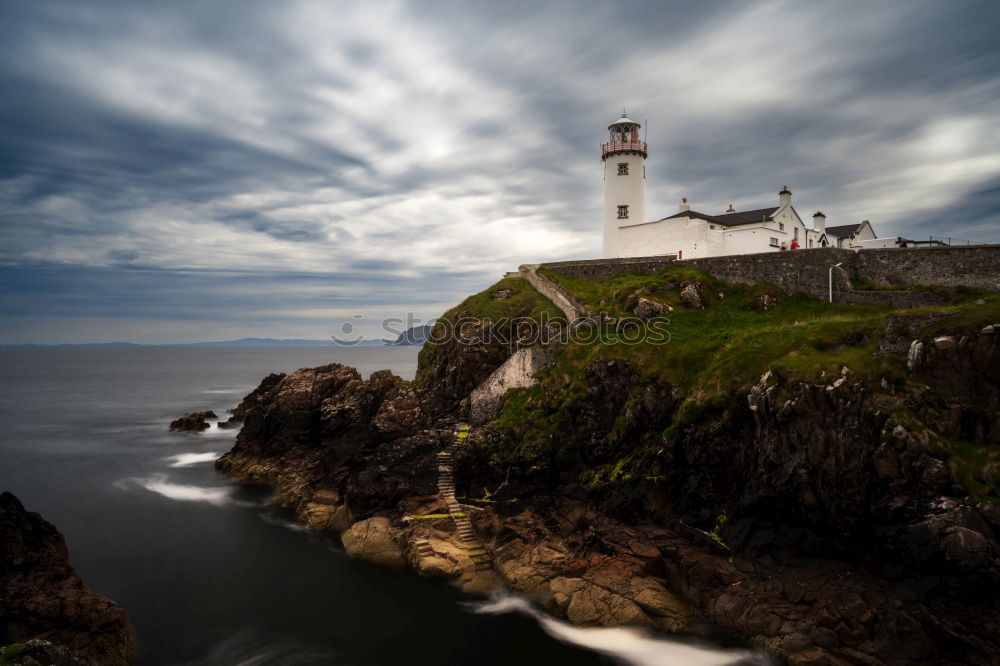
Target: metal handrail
{"points": [[622, 145]]}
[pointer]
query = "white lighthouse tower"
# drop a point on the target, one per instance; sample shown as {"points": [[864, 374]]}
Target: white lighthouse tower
{"points": [[624, 158]]}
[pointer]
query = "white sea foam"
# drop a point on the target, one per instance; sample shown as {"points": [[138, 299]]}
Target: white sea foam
{"points": [[158, 483], [188, 459], [271, 519], [630, 646], [215, 431]]}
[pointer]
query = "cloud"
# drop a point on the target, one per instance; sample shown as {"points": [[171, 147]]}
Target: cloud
{"points": [[183, 170]]}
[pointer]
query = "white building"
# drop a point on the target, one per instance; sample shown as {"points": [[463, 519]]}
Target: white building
{"points": [[689, 234], [850, 236], [624, 159]]}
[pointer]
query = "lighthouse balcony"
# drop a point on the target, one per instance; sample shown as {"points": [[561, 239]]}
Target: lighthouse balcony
{"points": [[623, 147]]}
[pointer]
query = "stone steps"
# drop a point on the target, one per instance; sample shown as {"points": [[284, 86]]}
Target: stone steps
{"points": [[467, 538]]}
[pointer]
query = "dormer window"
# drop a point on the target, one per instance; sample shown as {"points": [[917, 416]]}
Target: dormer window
{"points": [[622, 212], [623, 168]]}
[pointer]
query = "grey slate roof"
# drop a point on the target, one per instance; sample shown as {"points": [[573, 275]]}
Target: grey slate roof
{"points": [[843, 231], [731, 219]]}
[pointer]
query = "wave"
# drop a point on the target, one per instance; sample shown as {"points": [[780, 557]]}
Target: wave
{"points": [[630, 646], [271, 519], [251, 648], [159, 484], [215, 431], [188, 459]]}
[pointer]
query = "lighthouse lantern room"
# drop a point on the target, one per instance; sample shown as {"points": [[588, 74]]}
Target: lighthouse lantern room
{"points": [[624, 158]]}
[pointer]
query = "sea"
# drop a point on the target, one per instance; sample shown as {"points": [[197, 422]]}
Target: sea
{"points": [[209, 571]]}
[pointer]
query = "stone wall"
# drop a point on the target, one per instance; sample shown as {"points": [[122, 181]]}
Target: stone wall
{"points": [[799, 271], [596, 269], [517, 372], [976, 266], [807, 271], [562, 299]]}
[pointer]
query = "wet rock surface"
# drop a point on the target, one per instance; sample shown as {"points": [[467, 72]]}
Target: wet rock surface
{"points": [[192, 422], [47, 615]]}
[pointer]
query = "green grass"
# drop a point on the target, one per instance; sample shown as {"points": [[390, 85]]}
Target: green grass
{"points": [[972, 316], [525, 301], [10, 653], [729, 345]]}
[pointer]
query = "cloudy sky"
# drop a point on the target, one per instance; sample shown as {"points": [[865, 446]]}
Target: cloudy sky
{"points": [[181, 171]]}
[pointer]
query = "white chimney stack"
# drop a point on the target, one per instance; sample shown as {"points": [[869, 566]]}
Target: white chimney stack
{"points": [[685, 206], [819, 222], [785, 196]]}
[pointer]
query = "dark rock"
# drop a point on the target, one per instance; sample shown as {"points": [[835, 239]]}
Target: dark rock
{"points": [[692, 295], [502, 294], [37, 652], [648, 308], [764, 303], [192, 422], [44, 598]]}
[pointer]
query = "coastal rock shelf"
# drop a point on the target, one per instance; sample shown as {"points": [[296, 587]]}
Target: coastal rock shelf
{"points": [[818, 480], [47, 614]]}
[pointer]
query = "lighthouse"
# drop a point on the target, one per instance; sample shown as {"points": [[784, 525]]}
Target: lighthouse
{"points": [[624, 159]]}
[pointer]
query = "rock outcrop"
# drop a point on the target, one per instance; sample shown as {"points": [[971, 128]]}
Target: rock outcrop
{"points": [[192, 422], [47, 614], [826, 522], [375, 540]]}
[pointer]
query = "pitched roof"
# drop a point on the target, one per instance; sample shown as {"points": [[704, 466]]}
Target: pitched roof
{"points": [[731, 219], [843, 231]]}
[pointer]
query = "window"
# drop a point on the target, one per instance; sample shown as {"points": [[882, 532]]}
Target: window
{"points": [[622, 212], [623, 168], [796, 233], [711, 226], [774, 241], [781, 226], [810, 242]]}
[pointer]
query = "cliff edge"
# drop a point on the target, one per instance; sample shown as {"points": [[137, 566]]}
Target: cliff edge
{"points": [[48, 615]]}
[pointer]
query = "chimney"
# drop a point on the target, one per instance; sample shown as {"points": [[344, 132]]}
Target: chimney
{"points": [[785, 196], [685, 207], [730, 209], [819, 222]]}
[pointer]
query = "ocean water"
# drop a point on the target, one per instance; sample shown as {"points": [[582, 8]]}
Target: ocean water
{"points": [[209, 571]]}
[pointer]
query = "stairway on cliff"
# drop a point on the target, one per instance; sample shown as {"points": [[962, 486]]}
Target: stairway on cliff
{"points": [[446, 486]]}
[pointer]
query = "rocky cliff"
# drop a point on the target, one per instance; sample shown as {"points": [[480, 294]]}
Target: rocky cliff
{"points": [[820, 482], [47, 614]]}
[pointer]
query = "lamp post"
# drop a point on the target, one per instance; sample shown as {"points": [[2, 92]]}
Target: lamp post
{"points": [[831, 279]]}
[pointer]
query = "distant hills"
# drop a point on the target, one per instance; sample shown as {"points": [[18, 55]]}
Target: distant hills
{"points": [[413, 336], [416, 335]]}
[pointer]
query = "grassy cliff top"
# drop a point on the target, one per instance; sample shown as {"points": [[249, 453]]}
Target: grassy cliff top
{"points": [[730, 343], [507, 300]]}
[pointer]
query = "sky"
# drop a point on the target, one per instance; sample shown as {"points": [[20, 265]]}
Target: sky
{"points": [[185, 171]]}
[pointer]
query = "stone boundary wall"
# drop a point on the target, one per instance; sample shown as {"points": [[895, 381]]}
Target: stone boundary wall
{"points": [[562, 299], [807, 271], [798, 271], [518, 371], [596, 269], [975, 266]]}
